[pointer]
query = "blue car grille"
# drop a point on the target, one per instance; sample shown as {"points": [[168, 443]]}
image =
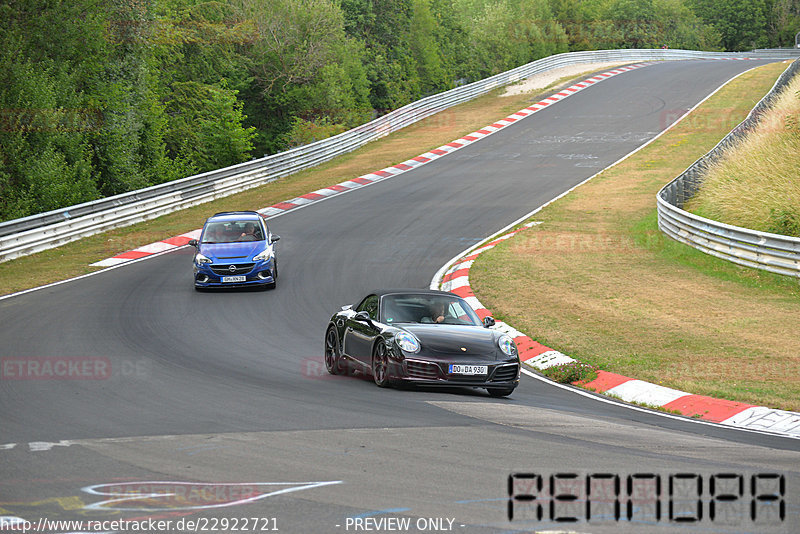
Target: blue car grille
{"points": [[506, 373], [225, 270]]}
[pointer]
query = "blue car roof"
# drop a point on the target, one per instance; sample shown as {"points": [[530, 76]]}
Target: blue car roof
{"points": [[235, 216]]}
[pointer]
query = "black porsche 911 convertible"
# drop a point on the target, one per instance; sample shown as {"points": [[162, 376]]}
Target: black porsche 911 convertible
{"points": [[423, 337]]}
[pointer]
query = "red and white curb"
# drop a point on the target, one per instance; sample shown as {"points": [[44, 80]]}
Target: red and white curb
{"points": [[151, 249], [539, 357], [377, 176]]}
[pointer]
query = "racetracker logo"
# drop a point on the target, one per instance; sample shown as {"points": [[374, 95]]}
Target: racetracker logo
{"points": [[155, 496], [314, 368], [56, 368]]}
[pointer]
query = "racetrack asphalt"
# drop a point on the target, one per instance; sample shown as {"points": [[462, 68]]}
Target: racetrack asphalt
{"points": [[230, 387]]}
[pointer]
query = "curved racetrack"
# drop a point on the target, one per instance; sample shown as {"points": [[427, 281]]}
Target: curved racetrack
{"points": [[229, 387]]}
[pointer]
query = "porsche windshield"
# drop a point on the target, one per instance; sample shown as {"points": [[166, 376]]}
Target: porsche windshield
{"points": [[427, 309]]}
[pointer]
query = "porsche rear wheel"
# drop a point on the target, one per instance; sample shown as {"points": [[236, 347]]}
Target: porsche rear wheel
{"points": [[380, 365], [332, 358]]}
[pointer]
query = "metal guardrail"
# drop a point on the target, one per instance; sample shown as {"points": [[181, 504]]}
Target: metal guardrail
{"points": [[787, 50], [47, 230], [762, 250]]}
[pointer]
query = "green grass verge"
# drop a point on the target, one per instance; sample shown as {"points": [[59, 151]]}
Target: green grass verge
{"points": [[646, 234]]}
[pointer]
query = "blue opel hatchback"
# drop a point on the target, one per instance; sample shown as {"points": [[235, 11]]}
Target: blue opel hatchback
{"points": [[236, 248]]}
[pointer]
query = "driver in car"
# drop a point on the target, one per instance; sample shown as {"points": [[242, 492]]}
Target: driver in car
{"points": [[249, 233], [437, 313]]}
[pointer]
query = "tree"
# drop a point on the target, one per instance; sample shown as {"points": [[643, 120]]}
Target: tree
{"points": [[304, 66], [679, 27], [783, 19], [205, 126], [46, 161], [128, 148], [425, 50], [202, 67], [294, 39], [48, 55], [741, 23], [503, 34]]}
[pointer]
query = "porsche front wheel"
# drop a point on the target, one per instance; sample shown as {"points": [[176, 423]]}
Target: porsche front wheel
{"points": [[380, 365]]}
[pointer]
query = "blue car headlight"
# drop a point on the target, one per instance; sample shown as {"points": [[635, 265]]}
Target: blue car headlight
{"points": [[407, 342], [507, 345], [263, 256], [200, 259]]}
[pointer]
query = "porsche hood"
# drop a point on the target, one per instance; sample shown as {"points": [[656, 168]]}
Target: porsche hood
{"points": [[461, 340]]}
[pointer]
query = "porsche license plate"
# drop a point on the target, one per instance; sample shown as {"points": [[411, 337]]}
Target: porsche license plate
{"points": [[233, 279], [456, 369]]}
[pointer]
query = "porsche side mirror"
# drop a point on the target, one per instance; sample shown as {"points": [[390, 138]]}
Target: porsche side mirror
{"points": [[488, 321], [193, 242], [274, 238], [363, 316]]}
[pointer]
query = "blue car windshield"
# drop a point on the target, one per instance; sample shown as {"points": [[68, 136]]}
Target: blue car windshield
{"points": [[427, 309], [232, 232]]}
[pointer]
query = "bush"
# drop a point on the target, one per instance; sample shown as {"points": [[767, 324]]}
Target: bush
{"points": [[784, 221], [567, 373], [304, 132]]}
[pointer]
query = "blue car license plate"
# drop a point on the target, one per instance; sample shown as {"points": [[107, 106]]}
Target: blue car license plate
{"points": [[233, 279]]}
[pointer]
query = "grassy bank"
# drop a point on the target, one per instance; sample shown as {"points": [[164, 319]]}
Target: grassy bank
{"points": [[755, 183], [597, 280]]}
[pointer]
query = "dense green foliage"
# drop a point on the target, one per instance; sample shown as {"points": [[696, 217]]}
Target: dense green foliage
{"points": [[99, 97]]}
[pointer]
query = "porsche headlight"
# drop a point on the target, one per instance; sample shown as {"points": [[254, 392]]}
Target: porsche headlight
{"points": [[263, 256], [407, 342], [506, 344], [199, 258]]}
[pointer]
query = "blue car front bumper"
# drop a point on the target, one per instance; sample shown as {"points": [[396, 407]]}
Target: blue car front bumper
{"points": [[234, 274]]}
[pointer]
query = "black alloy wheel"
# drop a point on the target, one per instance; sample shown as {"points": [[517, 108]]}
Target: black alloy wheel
{"points": [[380, 365], [332, 357]]}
